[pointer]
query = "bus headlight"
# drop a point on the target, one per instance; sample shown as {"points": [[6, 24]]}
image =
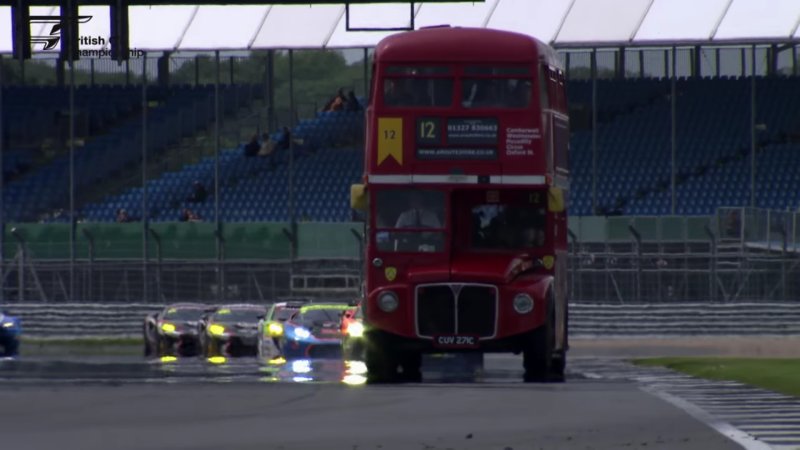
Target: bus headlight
{"points": [[388, 302], [523, 303]]}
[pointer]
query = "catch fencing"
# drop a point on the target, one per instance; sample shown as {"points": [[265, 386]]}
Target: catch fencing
{"points": [[113, 320]]}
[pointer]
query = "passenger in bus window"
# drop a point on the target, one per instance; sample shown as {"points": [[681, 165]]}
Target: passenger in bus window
{"points": [[533, 237], [397, 93], [417, 215], [520, 95]]}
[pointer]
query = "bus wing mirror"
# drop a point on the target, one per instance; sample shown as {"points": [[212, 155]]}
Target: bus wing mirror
{"points": [[358, 197], [555, 200]]}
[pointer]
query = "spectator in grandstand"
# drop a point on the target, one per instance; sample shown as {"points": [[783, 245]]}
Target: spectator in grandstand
{"points": [[199, 193], [122, 216], [267, 145], [285, 140], [337, 103], [187, 215], [352, 102], [251, 148]]}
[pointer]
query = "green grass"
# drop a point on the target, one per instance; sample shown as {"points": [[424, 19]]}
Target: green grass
{"points": [[779, 375]]}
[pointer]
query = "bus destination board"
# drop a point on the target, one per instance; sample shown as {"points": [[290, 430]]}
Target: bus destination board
{"points": [[472, 131]]}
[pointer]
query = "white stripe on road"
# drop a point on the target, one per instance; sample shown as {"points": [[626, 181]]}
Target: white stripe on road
{"points": [[723, 428]]}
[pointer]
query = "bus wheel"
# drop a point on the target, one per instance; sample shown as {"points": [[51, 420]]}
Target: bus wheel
{"points": [[412, 362], [538, 354], [381, 359]]}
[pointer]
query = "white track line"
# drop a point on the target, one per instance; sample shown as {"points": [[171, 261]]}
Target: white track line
{"points": [[723, 428]]}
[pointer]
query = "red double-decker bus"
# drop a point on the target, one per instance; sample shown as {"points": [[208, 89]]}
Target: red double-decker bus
{"points": [[465, 183]]}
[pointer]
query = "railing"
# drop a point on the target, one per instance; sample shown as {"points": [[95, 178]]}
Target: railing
{"points": [[115, 320], [620, 260]]}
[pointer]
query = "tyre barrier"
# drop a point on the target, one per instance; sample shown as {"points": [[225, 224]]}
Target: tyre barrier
{"points": [[114, 320]]}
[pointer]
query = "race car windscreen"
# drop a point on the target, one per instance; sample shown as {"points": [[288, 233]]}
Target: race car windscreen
{"points": [[237, 315], [184, 314], [283, 314], [316, 317]]}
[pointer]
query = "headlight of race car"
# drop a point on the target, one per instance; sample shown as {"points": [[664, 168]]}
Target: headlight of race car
{"points": [[275, 329], [355, 329], [8, 324], [302, 333], [216, 330], [168, 328]]}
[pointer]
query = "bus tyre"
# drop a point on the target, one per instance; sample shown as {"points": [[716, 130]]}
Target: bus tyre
{"points": [[381, 360], [411, 364], [538, 356]]}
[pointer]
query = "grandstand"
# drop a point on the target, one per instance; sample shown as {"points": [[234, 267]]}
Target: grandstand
{"points": [[733, 121]]}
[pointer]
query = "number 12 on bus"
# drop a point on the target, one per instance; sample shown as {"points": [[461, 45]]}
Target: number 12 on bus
{"points": [[464, 197]]}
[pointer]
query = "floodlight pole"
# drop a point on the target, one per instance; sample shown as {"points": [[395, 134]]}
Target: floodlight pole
{"points": [[217, 219], [291, 141], [2, 183], [753, 127], [145, 226], [594, 130], [366, 73], [72, 237], [673, 132]]}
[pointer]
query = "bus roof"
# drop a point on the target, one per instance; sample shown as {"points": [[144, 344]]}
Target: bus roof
{"points": [[448, 44]]}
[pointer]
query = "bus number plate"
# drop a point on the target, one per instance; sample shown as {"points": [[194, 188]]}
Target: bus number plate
{"points": [[455, 341]]}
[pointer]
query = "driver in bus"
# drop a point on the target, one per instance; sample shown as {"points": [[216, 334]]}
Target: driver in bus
{"points": [[417, 216]]}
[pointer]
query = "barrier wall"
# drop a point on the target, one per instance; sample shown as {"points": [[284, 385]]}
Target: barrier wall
{"points": [[72, 320], [183, 241], [269, 241]]}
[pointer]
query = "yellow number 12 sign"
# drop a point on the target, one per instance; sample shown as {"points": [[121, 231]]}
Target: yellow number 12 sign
{"points": [[390, 139]]}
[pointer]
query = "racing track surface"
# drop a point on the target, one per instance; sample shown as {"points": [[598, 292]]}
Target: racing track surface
{"points": [[125, 403]]}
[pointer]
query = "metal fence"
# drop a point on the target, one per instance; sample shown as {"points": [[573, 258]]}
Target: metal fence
{"points": [[176, 281], [738, 255], [741, 254]]}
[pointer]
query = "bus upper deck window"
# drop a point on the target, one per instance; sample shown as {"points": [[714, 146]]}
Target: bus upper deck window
{"points": [[418, 92], [496, 93]]}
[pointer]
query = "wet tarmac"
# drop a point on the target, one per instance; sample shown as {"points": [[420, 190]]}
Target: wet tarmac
{"points": [[171, 369]]}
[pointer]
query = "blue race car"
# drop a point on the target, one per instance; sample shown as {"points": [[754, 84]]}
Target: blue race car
{"points": [[315, 331], [10, 329]]}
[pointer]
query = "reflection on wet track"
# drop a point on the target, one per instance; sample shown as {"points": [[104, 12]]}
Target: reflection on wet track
{"points": [[220, 369]]}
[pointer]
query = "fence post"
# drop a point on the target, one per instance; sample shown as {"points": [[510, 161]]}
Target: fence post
{"points": [[784, 254], [22, 252], [575, 263], [359, 236], [157, 240], [90, 238], [712, 264], [638, 238], [220, 265], [291, 236]]}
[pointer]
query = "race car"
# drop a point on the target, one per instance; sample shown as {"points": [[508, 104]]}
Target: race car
{"points": [[10, 329], [353, 334], [271, 327], [174, 330], [313, 332], [232, 330]]}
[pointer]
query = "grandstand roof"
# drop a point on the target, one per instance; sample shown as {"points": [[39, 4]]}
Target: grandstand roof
{"points": [[562, 23]]}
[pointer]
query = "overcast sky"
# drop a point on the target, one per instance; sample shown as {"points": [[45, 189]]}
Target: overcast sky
{"points": [[242, 27]]}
